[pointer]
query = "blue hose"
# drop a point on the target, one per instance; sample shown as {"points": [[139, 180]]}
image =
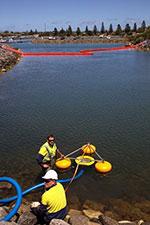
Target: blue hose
{"points": [[6, 200], [19, 198], [20, 193]]}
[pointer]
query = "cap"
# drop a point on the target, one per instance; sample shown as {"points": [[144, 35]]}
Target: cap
{"points": [[51, 174]]}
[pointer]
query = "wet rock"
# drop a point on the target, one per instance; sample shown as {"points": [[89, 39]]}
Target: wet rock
{"points": [[58, 222], [27, 218], [105, 220], [92, 214], [78, 220]]}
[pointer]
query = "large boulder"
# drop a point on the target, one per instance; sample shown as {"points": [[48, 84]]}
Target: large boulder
{"points": [[105, 220], [58, 222], [27, 218], [2, 212], [7, 223], [79, 220]]}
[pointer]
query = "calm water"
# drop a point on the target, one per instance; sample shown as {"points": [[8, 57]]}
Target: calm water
{"points": [[103, 99]]}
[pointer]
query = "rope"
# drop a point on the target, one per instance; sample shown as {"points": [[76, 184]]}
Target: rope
{"points": [[73, 152], [99, 156], [75, 172]]}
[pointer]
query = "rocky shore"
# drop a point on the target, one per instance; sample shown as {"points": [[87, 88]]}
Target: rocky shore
{"points": [[7, 59], [90, 214]]}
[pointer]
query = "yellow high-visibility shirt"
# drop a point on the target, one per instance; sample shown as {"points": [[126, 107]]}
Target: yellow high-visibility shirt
{"points": [[48, 151], [55, 198]]}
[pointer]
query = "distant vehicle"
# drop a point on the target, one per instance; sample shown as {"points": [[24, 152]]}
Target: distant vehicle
{"points": [[51, 38]]}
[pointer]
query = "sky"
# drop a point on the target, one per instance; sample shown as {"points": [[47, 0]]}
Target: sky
{"points": [[44, 15]]}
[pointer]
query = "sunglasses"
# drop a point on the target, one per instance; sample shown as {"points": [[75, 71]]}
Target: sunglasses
{"points": [[47, 181]]}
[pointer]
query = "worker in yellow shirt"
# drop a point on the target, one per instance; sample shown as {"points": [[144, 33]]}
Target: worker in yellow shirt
{"points": [[53, 202], [48, 153]]}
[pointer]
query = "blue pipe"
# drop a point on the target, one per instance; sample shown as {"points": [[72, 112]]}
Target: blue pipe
{"points": [[7, 200], [19, 198]]}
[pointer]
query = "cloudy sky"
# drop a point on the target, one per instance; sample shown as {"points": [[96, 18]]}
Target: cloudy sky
{"points": [[22, 15]]}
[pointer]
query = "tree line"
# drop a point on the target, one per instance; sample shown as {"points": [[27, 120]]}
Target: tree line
{"points": [[95, 31], [121, 31]]}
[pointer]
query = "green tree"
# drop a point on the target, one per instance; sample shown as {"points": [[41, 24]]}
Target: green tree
{"points": [[134, 27], [118, 30], [86, 30], [102, 28], [110, 29], [127, 28], [55, 32], [143, 26], [95, 30], [62, 32], [78, 31], [69, 31]]}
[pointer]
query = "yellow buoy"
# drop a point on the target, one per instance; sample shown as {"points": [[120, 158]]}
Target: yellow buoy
{"points": [[63, 163], [103, 166], [85, 160], [88, 149]]}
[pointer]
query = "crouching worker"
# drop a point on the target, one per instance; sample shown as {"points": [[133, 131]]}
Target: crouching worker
{"points": [[53, 202], [48, 153]]}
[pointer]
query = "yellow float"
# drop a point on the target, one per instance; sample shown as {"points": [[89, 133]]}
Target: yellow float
{"points": [[103, 166], [85, 160], [88, 149], [63, 163]]}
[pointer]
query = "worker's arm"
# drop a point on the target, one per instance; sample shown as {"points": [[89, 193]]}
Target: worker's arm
{"points": [[39, 158], [59, 154], [39, 210]]}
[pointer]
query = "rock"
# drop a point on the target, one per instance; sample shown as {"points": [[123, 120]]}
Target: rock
{"points": [[127, 222], [79, 220], [93, 205], [93, 223], [105, 220], [58, 222], [92, 214], [2, 212], [27, 218], [73, 212], [7, 223], [146, 223]]}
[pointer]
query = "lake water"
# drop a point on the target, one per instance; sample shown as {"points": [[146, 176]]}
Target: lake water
{"points": [[103, 99]]}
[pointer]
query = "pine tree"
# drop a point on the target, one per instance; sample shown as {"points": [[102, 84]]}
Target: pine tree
{"points": [[102, 28], [143, 25], [55, 32], [118, 30], [95, 30], [127, 28], [62, 32], [69, 31], [86, 30], [110, 29], [78, 31], [134, 27]]}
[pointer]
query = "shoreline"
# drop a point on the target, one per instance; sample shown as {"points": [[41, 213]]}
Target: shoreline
{"points": [[8, 59]]}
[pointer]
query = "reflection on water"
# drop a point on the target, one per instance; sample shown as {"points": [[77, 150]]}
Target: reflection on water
{"points": [[102, 99]]}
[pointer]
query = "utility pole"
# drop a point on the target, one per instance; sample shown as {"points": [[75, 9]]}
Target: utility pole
{"points": [[44, 27]]}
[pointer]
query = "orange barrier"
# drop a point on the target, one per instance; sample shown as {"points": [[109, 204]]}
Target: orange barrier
{"points": [[108, 49], [88, 53], [12, 49]]}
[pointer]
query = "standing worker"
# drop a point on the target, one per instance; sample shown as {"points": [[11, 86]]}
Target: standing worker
{"points": [[48, 153], [53, 202]]}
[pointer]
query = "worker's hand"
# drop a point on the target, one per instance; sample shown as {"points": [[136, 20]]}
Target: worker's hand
{"points": [[45, 165], [62, 156], [34, 204]]}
